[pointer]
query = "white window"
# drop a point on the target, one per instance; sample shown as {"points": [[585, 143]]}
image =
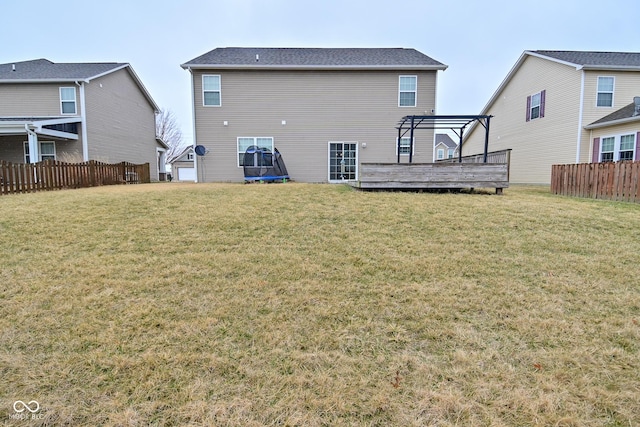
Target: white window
{"points": [[618, 147], [605, 91], [68, 100], [405, 146], [47, 151], [211, 91], [246, 142], [450, 153], [534, 111], [408, 91], [440, 154]]}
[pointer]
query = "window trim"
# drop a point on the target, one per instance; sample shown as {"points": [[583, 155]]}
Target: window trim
{"points": [[440, 151], [255, 142], [617, 139], [219, 91], [612, 92], [412, 146], [451, 152], [63, 101], [26, 155], [414, 91]]}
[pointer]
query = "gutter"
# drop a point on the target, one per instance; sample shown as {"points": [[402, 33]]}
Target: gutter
{"points": [[312, 67]]}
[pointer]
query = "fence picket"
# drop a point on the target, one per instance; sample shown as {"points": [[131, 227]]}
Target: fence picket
{"points": [[618, 181], [52, 175]]}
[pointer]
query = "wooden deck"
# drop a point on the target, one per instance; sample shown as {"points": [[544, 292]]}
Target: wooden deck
{"points": [[418, 176]]}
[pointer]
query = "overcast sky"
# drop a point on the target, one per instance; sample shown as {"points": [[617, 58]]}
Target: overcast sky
{"points": [[479, 40]]}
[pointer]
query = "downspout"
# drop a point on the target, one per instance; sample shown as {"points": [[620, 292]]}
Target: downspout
{"points": [[83, 123], [580, 119], [34, 149], [193, 114]]}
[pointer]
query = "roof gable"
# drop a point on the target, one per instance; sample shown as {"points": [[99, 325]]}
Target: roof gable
{"points": [[239, 57], [443, 138]]}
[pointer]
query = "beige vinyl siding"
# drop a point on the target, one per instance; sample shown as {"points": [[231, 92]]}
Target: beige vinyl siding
{"points": [[627, 85], [33, 100], [538, 144], [120, 121], [318, 107], [12, 148]]}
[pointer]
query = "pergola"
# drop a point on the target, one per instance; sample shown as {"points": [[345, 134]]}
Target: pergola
{"points": [[457, 124]]}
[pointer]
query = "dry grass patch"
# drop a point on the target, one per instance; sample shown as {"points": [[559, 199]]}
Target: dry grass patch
{"points": [[316, 305]]}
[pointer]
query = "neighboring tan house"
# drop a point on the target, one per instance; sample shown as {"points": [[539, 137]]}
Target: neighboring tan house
{"points": [[325, 110], [183, 165], [444, 147], [76, 112], [543, 108], [616, 136]]}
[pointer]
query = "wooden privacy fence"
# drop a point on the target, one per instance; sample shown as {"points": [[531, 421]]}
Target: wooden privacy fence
{"points": [[619, 181], [55, 175]]}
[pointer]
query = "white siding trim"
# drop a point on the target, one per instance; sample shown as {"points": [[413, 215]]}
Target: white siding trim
{"points": [[83, 123], [580, 115], [193, 122]]}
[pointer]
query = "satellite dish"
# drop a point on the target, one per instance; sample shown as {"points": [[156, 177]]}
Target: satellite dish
{"points": [[200, 150]]}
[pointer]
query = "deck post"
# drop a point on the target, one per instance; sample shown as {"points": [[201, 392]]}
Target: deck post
{"points": [[398, 142], [486, 139], [411, 140]]}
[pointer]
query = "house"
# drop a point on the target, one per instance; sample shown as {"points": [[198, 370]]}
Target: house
{"points": [[444, 147], [325, 110], [616, 136], [183, 165], [543, 109], [76, 112]]}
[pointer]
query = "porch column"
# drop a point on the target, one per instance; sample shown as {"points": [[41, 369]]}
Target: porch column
{"points": [[34, 147]]}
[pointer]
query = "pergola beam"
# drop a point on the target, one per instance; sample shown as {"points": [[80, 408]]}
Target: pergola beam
{"points": [[444, 122]]}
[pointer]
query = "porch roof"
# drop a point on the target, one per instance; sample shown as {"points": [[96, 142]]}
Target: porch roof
{"points": [[21, 125]]}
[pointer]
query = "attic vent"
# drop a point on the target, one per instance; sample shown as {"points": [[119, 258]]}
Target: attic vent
{"points": [[636, 109], [257, 57], [13, 67]]}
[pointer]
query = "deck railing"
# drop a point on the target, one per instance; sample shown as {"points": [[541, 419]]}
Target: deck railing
{"points": [[55, 175], [619, 181]]}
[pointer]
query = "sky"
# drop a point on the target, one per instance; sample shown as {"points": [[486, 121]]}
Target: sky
{"points": [[479, 40]]}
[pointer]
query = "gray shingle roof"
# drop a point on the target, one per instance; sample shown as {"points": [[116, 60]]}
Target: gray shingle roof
{"points": [[594, 59], [315, 57], [625, 112], [443, 138], [43, 69]]}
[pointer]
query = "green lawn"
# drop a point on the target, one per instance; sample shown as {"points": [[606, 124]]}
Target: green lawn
{"points": [[317, 305]]}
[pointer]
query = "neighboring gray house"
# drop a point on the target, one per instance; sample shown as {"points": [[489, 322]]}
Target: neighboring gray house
{"points": [[76, 112], [183, 165], [444, 147], [325, 110]]}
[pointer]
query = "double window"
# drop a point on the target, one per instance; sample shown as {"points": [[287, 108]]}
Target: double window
{"points": [[408, 89], [47, 151], [245, 142], [619, 147], [68, 100], [211, 94], [605, 91]]}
